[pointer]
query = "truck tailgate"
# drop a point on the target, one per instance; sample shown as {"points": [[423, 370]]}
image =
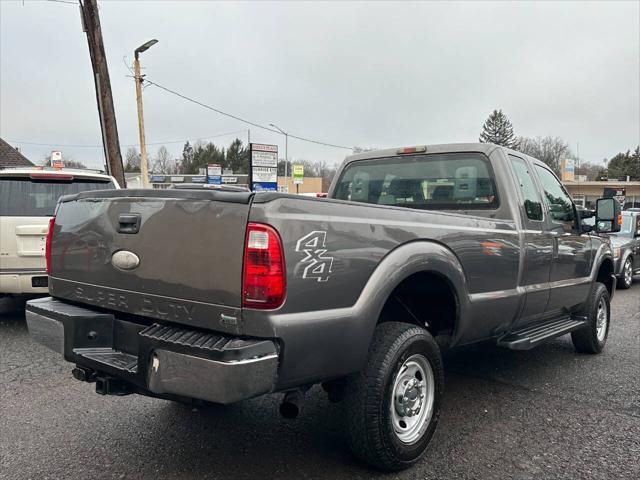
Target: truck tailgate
{"points": [[172, 255]]}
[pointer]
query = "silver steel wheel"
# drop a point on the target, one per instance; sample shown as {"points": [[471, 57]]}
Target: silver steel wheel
{"points": [[413, 398], [627, 272], [602, 320]]}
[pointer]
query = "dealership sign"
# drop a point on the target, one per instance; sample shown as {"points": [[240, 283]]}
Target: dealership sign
{"points": [[214, 174], [620, 194], [56, 159], [263, 167], [298, 174]]}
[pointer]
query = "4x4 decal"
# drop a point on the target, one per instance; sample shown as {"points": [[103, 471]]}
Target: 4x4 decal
{"points": [[319, 264]]}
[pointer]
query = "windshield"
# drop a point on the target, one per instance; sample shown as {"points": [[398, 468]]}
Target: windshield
{"points": [[25, 197], [456, 181]]}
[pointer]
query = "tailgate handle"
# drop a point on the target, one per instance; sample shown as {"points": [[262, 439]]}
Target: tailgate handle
{"points": [[129, 222]]}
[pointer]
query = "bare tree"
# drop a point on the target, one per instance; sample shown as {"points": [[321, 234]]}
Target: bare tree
{"points": [[550, 150], [163, 162], [67, 161], [590, 171], [132, 160]]}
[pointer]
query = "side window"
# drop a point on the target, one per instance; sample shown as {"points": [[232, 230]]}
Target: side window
{"points": [[532, 205], [560, 205]]}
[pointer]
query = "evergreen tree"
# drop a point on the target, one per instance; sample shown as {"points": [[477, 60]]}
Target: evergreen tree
{"points": [[497, 129], [237, 158], [625, 164], [187, 159]]}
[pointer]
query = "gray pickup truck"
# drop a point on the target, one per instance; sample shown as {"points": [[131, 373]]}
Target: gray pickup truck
{"points": [[222, 296]]}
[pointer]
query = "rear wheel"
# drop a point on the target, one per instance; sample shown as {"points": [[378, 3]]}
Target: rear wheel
{"points": [[626, 276], [393, 405], [592, 337]]}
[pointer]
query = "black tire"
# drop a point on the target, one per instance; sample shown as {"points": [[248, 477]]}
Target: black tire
{"points": [[586, 339], [625, 282], [368, 397]]}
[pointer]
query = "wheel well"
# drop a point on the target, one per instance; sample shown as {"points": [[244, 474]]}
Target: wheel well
{"points": [[426, 299], [604, 275]]}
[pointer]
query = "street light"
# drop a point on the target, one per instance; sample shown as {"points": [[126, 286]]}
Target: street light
{"points": [[144, 47], [144, 168], [286, 154]]}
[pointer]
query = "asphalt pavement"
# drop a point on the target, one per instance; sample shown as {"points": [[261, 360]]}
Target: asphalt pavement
{"points": [[545, 413]]}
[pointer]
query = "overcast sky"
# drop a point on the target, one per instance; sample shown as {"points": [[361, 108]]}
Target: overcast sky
{"points": [[365, 74]]}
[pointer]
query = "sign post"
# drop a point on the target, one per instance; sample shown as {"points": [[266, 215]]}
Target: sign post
{"points": [[298, 176], [263, 167], [214, 174]]}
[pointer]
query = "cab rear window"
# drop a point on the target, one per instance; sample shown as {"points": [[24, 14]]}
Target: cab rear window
{"points": [[456, 181], [27, 197]]}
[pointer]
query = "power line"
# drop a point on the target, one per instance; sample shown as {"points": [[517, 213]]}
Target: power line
{"points": [[243, 120], [63, 1], [124, 145]]}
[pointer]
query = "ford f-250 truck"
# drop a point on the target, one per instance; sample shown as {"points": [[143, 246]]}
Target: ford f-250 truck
{"points": [[222, 296]]}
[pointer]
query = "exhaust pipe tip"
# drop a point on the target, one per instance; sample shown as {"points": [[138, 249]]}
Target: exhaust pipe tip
{"points": [[290, 406], [289, 410]]}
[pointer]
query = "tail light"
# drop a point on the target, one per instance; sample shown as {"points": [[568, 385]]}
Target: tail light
{"points": [[47, 247], [263, 279]]}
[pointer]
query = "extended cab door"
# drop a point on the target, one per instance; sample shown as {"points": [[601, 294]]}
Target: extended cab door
{"points": [[538, 244], [571, 263]]}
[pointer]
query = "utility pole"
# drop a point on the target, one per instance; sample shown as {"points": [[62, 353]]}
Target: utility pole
{"points": [[578, 158], [286, 155], [144, 164], [111, 143]]}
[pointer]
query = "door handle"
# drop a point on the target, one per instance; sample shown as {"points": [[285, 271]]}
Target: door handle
{"points": [[554, 237], [129, 222]]}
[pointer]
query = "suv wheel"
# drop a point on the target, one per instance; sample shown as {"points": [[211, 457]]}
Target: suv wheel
{"points": [[393, 405], [626, 279], [592, 337]]}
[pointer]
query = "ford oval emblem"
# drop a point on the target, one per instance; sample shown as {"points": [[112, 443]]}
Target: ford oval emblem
{"points": [[125, 260]]}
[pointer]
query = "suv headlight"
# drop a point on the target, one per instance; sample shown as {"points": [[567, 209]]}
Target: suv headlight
{"points": [[616, 252]]}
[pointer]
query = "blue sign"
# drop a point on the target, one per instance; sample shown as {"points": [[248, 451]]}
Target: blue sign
{"points": [[264, 186], [216, 180], [199, 179], [157, 178]]}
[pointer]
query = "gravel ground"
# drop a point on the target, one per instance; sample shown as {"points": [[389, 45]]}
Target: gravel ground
{"points": [[545, 413]]}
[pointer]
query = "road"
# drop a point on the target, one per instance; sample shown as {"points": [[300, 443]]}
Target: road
{"points": [[545, 413]]}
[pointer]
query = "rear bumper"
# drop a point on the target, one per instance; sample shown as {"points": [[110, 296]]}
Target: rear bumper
{"points": [[17, 283], [161, 359]]}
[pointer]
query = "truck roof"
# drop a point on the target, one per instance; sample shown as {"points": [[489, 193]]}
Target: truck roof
{"points": [[76, 172], [439, 148]]}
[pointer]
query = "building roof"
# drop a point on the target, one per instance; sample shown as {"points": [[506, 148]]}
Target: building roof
{"points": [[10, 157]]}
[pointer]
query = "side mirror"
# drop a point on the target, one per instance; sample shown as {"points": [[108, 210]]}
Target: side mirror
{"points": [[608, 216]]}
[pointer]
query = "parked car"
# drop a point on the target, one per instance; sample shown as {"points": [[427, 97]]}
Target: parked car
{"points": [[626, 248], [223, 296], [28, 198]]}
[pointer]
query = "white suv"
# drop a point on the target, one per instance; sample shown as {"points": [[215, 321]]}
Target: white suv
{"points": [[28, 198]]}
